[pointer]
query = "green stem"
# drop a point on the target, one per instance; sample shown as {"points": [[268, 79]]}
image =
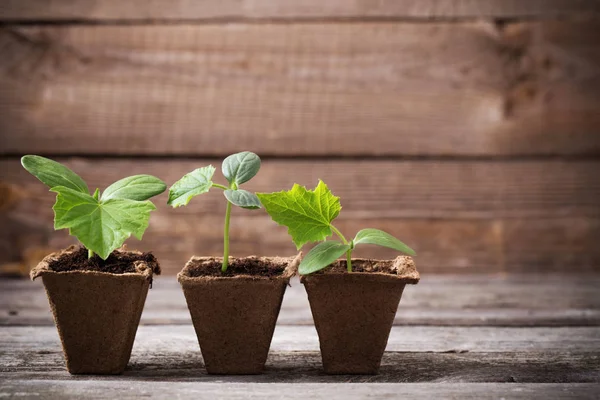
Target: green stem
{"points": [[349, 252], [220, 186], [226, 239], [90, 253]]}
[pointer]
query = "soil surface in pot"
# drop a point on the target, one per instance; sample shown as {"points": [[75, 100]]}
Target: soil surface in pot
{"points": [[118, 262], [238, 266], [363, 265]]}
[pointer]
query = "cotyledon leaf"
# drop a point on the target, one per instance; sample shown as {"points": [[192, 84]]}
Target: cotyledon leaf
{"points": [[321, 256], [53, 174], [240, 167], [242, 198], [381, 238], [137, 187]]}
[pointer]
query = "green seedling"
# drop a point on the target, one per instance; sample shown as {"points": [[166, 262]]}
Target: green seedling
{"points": [[308, 215], [237, 168], [101, 223]]}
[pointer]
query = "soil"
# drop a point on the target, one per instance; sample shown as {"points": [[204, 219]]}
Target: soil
{"points": [[239, 266], [118, 262], [362, 265]]}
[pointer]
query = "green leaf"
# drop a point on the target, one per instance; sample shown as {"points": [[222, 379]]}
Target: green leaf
{"points": [[306, 213], [53, 174], [242, 198], [137, 187], [381, 238], [240, 167], [321, 256], [196, 182], [101, 225]]}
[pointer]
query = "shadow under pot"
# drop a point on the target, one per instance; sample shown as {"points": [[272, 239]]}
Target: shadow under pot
{"points": [[234, 313], [96, 305], [354, 312]]}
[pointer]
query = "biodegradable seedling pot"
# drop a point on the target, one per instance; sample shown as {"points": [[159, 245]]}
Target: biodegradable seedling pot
{"points": [[96, 313], [234, 314], [354, 312]]}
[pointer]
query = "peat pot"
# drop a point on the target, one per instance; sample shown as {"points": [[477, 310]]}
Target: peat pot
{"points": [[234, 314], [354, 312], [96, 313]]}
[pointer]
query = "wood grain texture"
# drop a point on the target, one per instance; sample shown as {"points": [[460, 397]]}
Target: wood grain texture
{"points": [[190, 9], [127, 389], [448, 300], [458, 215], [364, 88], [297, 367]]}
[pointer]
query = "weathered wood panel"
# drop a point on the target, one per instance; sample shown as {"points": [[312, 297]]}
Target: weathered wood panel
{"points": [[181, 339], [458, 215], [449, 300], [192, 9], [302, 89], [459, 189], [296, 367], [126, 389]]}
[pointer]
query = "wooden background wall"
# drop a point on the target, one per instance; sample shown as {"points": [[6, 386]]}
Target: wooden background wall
{"points": [[468, 128]]}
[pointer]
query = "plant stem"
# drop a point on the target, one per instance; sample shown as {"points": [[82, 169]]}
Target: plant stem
{"points": [[349, 252], [226, 239], [220, 186], [90, 254]]}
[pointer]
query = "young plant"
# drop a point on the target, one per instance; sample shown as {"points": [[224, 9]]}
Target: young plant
{"points": [[237, 168], [308, 215], [102, 223]]}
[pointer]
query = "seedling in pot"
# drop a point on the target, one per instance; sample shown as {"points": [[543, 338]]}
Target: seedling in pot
{"points": [[308, 215], [238, 168], [101, 222]]}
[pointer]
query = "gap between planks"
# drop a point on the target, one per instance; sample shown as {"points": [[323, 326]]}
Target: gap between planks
{"points": [[443, 300]]}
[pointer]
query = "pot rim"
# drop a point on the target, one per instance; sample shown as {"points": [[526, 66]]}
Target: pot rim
{"points": [[43, 267], [405, 266], [290, 270]]}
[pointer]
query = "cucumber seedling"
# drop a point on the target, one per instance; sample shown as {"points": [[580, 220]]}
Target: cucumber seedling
{"points": [[237, 168], [101, 222], [308, 215]]}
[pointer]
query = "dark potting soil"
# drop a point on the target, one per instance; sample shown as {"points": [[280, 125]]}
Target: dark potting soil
{"points": [[117, 262], [238, 266], [361, 265]]}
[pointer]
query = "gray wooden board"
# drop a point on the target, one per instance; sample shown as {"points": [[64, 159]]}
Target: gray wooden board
{"points": [[450, 300], [418, 354], [125, 389]]}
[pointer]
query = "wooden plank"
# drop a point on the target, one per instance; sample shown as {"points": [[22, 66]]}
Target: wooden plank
{"points": [[448, 300], [189, 9], [458, 215], [446, 189], [358, 89], [297, 367], [182, 338], [111, 388]]}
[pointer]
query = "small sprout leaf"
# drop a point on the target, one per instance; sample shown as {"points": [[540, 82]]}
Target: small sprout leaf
{"points": [[381, 238], [137, 187], [196, 182], [321, 256], [53, 174], [306, 213], [240, 167], [242, 198], [100, 225]]}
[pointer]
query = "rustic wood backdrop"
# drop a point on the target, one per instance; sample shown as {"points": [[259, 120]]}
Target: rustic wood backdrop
{"points": [[470, 129]]}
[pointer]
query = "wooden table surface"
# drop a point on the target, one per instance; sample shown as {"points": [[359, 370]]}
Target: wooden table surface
{"points": [[455, 336]]}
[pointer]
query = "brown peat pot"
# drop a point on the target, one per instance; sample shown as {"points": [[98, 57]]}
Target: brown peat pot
{"points": [[354, 312], [96, 313], [234, 314]]}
